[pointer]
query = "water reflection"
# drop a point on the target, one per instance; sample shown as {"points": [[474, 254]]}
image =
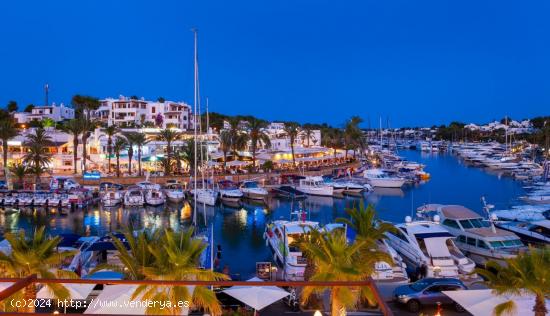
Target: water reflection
{"points": [[239, 231]]}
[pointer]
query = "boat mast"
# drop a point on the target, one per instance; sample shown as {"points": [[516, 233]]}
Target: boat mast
{"points": [[195, 62]]}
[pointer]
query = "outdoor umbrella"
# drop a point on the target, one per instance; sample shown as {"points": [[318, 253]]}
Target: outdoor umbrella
{"points": [[76, 291], [482, 302], [117, 298], [257, 297]]}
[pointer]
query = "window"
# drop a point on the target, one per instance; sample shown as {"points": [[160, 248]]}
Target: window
{"points": [[450, 287], [466, 224], [435, 289], [461, 239], [482, 244], [451, 223], [471, 241], [153, 110], [478, 223]]}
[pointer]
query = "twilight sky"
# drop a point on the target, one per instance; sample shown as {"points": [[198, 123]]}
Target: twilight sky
{"points": [[416, 62]]}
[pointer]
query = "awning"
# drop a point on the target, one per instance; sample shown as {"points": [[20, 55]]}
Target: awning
{"points": [[257, 297], [237, 163], [482, 302]]}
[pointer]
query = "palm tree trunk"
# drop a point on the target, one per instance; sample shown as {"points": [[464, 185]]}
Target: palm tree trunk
{"points": [[109, 151], [117, 166], [540, 306], [5, 157], [336, 307], [30, 297], [254, 157], [130, 156], [84, 153], [168, 157], [139, 160], [293, 158], [75, 153], [224, 160]]}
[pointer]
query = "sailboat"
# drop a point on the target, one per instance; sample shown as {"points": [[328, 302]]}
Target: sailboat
{"points": [[204, 194]]}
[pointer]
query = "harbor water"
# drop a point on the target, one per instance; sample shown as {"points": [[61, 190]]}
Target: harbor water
{"points": [[239, 231]]}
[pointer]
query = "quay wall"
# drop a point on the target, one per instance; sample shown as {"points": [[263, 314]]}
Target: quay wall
{"points": [[268, 178]]}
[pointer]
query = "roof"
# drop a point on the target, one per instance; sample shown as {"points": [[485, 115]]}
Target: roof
{"points": [[458, 212], [488, 232], [423, 227]]}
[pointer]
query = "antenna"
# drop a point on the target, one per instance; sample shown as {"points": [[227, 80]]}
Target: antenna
{"points": [[487, 208], [46, 91], [195, 62]]}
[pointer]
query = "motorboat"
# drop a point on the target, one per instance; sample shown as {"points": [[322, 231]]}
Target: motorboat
{"points": [[154, 197], [282, 237], [536, 233], [536, 199], [111, 198], [204, 196], [352, 187], [252, 190], [315, 186], [287, 191], [147, 185], [478, 238], [427, 244], [134, 196], [395, 271], [378, 178], [229, 192], [174, 192]]}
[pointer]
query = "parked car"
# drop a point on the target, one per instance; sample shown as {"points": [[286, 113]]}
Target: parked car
{"points": [[63, 183], [428, 292]]}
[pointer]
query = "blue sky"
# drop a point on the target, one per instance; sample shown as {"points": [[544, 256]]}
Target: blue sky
{"points": [[416, 62]]}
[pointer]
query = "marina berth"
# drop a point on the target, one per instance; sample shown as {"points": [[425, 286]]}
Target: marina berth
{"points": [[154, 197], [378, 178], [252, 190], [174, 192], [229, 192], [315, 186], [111, 198], [134, 197]]}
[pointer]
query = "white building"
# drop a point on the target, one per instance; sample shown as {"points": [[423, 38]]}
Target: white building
{"points": [[126, 112], [57, 113]]}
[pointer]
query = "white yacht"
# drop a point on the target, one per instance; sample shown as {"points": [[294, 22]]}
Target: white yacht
{"points": [[174, 192], [427, 243], [478, 238], [134, 196], [154, 197], [315, 186], [281, 236], [378, 178], [395, 271], [536, 233], [111, 198], [253, 191], [229, 192], [147, 185]]}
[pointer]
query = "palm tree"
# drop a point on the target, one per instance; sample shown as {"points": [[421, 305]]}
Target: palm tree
{"points": [[307, 133], [130, 141], [7, 131], [353, 134], [37, 156], [238, 138], [140, 140], [84, 105], [257, 137], [119, 145], [169, 136], [188, 154], [36, 255], [334, 259], [75, 128], [367, 228], [110, 131], [19, 171], [291, 130], [168, 255], [528, 273], [225, 145]]}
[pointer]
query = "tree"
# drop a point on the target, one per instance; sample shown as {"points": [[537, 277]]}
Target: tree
{"points": [[225, 145], [238, 138], [130, 142], [188, 154], [161, 99], [110, 131], [168, 255], [119, 145], [528, 273], [159, 120], [36, 255], [353, 135], [140, 140], [334, 259], [29, 108], [365, 224], [12, 106], [169, 136], [19, 171], [257, 137], [307, 131], [8, 131], [75, 128], [291, 130], [83, 107], [37, 156]]}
